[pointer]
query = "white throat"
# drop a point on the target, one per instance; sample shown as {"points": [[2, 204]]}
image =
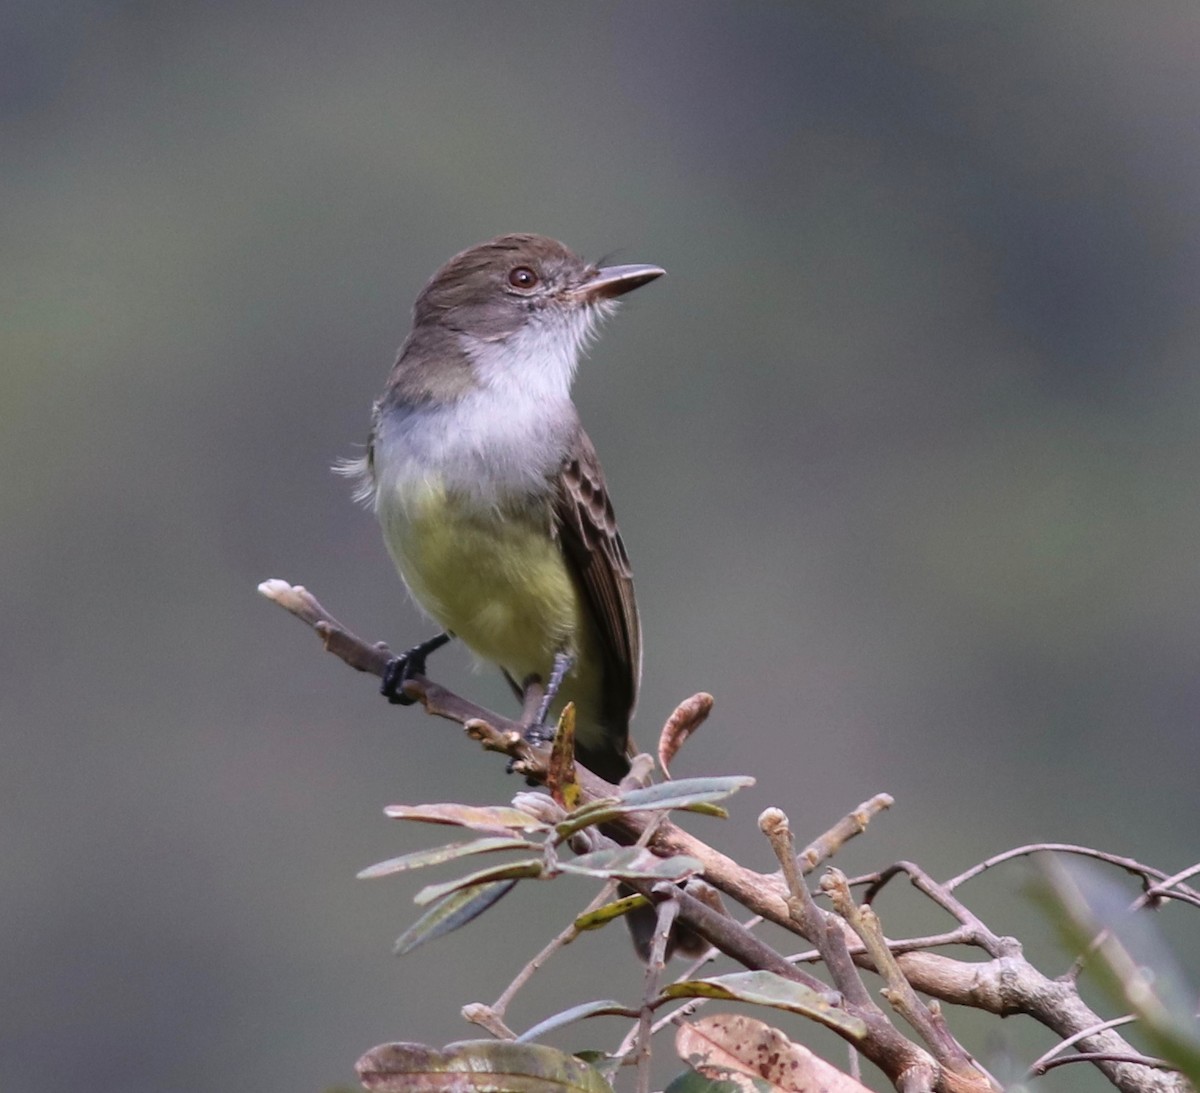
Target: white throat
{"points": [[508, 436]]}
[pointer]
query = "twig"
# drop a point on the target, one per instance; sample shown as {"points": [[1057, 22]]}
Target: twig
{"points": [[812, 921], [668, 909], [961, 936], [1071, 1041], [1107, 1057], [1162, 889], [978, 933], [822, 848], [925, 1020], [1130, 865], [563, 938]]}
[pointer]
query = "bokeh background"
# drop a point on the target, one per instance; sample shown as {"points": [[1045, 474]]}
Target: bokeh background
{"points": [[904, 450]]}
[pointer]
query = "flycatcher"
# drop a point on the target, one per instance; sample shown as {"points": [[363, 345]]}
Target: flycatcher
{"points": [[489, 492]]}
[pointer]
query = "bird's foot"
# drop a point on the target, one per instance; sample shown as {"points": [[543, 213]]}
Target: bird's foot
{"points": [[404, 667], [539, 732]]}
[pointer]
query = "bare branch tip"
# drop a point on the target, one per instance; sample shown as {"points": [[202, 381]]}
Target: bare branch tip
{"points": [[273, 588], [773, 821]]}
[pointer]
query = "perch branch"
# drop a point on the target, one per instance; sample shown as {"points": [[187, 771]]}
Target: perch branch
{"points": [[1006, 984]]}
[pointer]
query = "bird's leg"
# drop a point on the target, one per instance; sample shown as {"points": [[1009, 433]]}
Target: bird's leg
{"points": [[531, 702], [407, 665], [539, 732]]}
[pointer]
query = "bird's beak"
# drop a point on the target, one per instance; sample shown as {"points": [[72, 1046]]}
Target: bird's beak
{"points": [[612, 281]]}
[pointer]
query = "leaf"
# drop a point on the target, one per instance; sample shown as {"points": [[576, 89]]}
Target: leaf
{"points": [[602, 916], [573, 1014], [752, 1055], [560, 775], [687, 717], [523, 869], [692, 1082], [689, 794], [685, 792], [768, 989], [632, 863], [477, 1066], [456, 910], [492, 819], [439, 854]]}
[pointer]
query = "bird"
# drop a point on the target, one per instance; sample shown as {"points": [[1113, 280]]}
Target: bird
{"points": [[490, 494]]}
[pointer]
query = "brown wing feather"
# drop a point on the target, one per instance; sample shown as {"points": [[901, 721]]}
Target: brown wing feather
{"points": [[588, 530]]}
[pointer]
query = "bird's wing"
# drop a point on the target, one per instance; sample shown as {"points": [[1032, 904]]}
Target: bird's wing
{"points": [[588, 531]]}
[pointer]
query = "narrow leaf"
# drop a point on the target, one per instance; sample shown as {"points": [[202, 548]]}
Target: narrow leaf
{"points": [[477, 1066], [439, 854], [685, 792], [494, 819], [602, 916], [560, 775], [456, 910], [632, 862], [517, 870], [575, 1013], [688, 794], [768, 989]]}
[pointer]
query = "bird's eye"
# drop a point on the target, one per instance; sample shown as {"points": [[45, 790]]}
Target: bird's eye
{"points": [[522, 277]]}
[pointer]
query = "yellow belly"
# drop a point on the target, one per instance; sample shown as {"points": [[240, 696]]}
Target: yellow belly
{"points": [[501, 584]]}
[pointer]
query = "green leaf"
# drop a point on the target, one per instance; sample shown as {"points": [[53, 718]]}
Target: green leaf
{"points": [[691, 1082], [477, 1066], [573, 1014], [768, 989], [456, 910], [632, 863], [439, 854], [684, 792], [689, 794], [517, 870], [491, 819], [602, 916]]}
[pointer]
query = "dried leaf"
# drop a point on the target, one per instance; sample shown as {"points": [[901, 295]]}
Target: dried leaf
{"points": [[740, 1049], [439, 854], [688, 716], [456, 910], [560, 776], [490, 819], [768, 989], [477, 1066]]}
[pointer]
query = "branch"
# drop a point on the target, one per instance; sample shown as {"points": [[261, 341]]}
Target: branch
{"points": [[1006, 984]]}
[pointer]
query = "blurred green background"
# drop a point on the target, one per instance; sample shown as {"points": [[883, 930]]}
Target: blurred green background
{"points": [[904, 450]]}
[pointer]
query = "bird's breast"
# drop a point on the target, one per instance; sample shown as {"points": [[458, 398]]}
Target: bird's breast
{"points": [[493, 575]]}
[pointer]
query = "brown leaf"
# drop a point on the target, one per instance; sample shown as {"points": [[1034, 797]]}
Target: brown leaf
{"points": [[726, 1046], [560, 777], [689, 715]]}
